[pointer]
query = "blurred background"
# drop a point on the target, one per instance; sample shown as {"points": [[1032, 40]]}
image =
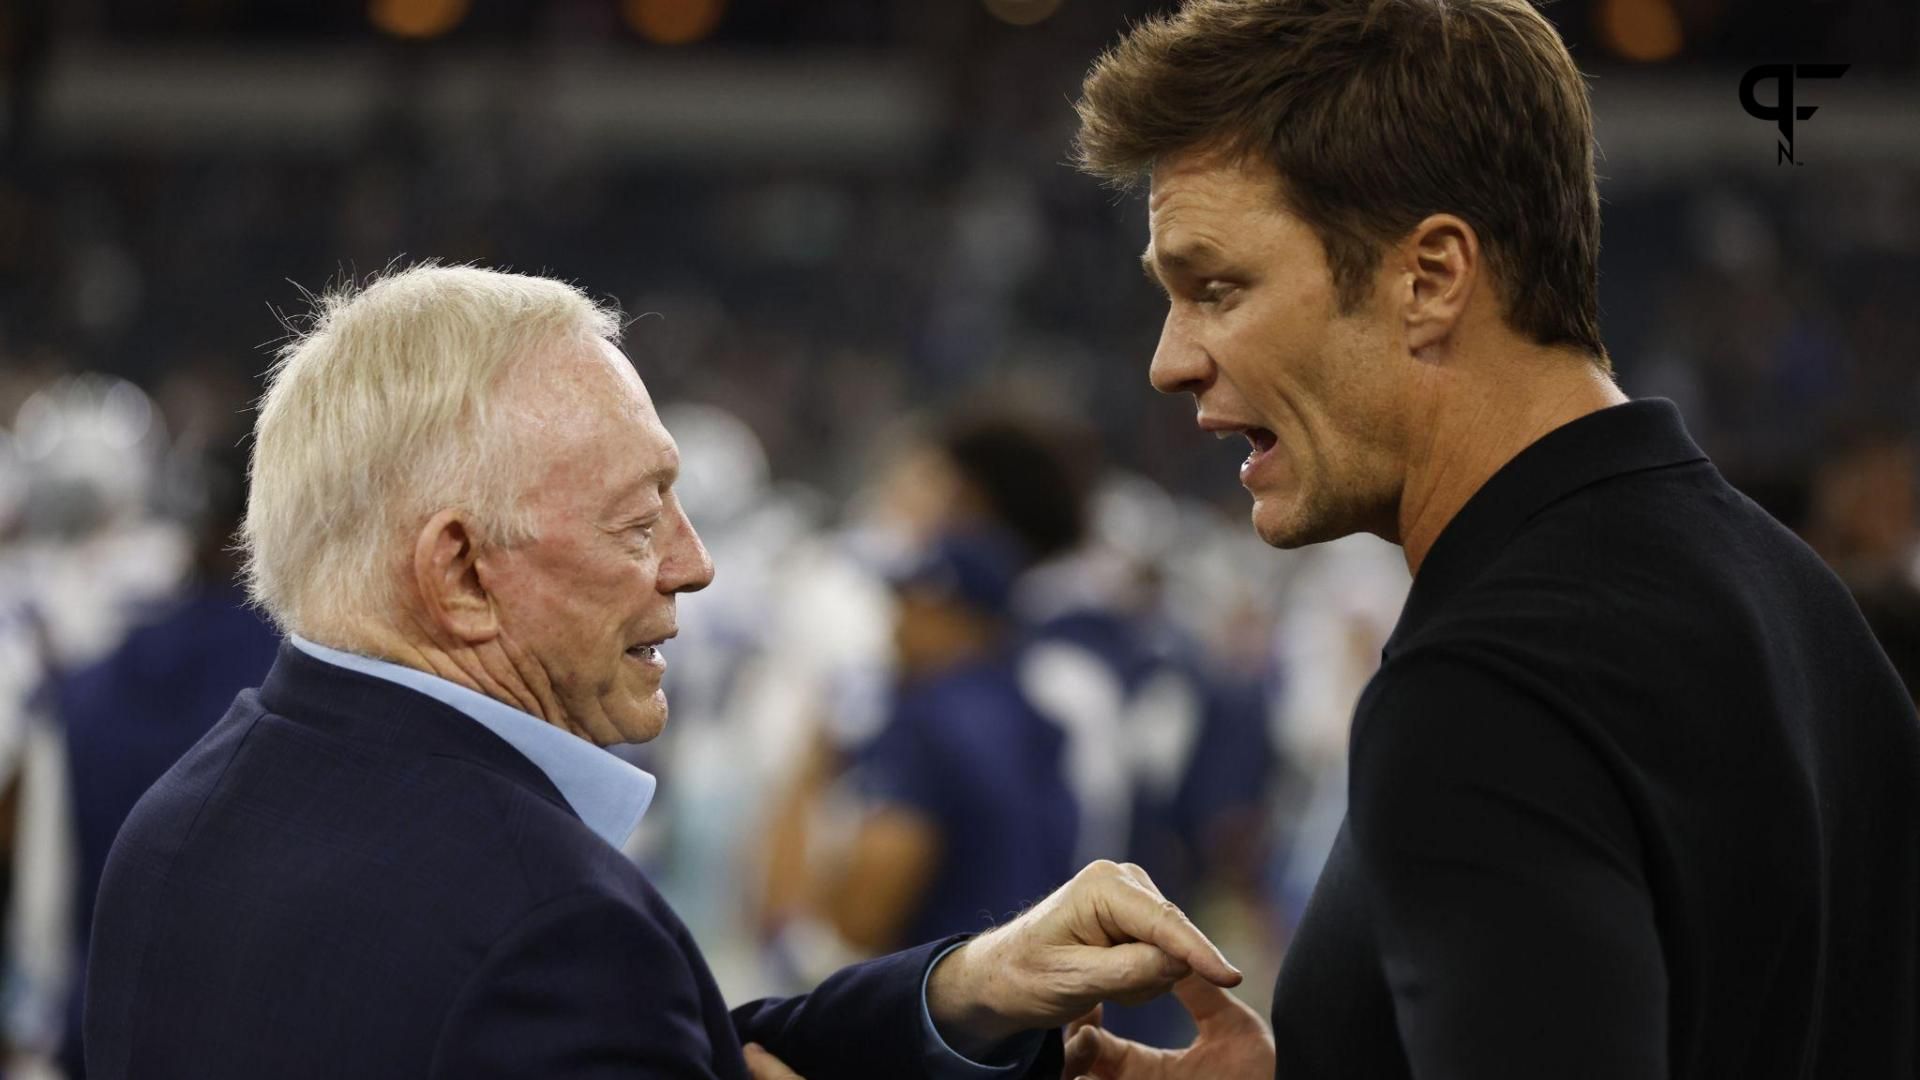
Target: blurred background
{"points": [[986, 607]]}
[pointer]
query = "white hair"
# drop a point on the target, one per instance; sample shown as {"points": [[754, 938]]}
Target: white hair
{"points": [[381, 414]]}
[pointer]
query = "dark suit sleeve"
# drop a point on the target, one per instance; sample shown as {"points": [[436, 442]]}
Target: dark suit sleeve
{"points": [[590, 988], [1515, 926], [862, 1021], [583, 987]]}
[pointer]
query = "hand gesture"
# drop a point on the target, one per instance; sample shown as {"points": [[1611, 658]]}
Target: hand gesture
{"points": [[1107, 935], [1233, 1043]]}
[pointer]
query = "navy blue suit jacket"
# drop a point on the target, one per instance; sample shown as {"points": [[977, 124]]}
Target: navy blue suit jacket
{"points": [[346, 878]]}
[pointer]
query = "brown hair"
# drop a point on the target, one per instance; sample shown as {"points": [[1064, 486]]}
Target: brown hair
{"points": [[1377, 113]]}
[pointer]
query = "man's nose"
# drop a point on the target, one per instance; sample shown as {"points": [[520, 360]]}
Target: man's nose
{"points": [[687, 567], [1180, 365]]}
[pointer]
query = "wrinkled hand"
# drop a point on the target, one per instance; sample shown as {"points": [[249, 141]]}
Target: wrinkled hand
{"points": [[1107, 935], [764, 1066], [1232, 1043]]}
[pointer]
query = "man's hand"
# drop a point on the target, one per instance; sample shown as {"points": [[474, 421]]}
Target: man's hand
{"points": [[1233, 1043], [764, 1066], [1107, 935]]}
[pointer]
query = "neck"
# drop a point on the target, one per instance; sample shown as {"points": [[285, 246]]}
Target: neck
{"points": [[483, 669], [1474, 418]]}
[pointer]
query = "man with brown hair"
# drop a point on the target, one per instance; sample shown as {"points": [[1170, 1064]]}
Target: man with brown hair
{"points": [[1634, 793]]}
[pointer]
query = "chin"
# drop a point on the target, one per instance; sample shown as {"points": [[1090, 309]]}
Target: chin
{"points": [[1294, 523], [643, 721], [647, 726]]}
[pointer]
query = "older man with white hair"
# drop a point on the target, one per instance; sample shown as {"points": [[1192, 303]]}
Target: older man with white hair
{"points": [[399, 856]]}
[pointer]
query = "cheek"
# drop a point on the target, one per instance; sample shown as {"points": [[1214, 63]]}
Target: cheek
{"points": [[1271, 357], [598, 568], [622, 598], [549, 614], [1360, 374], [566, 593]]}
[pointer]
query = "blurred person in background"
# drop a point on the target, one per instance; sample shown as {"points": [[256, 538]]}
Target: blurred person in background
{"points": [[28, 1029], [91, 557], [1045, 713], [93, 552], [961, 808], [833, 703], [1633, 793], [968, 818], [130, 715], [1166, 756], [411, 831], [1339, 611]]}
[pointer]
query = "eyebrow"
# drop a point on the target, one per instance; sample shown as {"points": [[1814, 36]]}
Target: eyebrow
{"points": [[665, 474], [1152, 271], [1185, 258]]}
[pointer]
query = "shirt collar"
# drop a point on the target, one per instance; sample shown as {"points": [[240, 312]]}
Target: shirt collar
{"points": [[608, 794], [1625, 438]]}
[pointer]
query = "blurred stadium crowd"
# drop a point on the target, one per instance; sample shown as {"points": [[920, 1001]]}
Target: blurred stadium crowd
{"points": [[986, 608]]}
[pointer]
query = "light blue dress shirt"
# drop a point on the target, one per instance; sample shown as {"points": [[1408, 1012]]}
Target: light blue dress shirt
{"points": [[610, 796]]}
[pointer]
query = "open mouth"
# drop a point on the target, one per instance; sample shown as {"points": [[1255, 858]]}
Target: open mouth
{"points": [[1263, 442], [1261, 438], [648, 652]]}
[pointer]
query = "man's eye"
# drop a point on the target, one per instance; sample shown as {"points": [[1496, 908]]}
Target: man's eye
{"points": [[1213, 292]]}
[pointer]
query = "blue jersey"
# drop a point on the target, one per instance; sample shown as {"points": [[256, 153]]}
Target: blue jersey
{"points": [[1156, 743], [1158, 755], [965, 750], [1090, 737]]}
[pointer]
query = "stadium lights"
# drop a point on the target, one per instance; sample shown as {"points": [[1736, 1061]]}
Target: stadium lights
{"points": [[673, 22], [416, 19], [1646, 31]]}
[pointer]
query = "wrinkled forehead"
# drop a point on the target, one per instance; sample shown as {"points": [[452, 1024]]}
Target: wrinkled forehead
{"points": [[1208, 213], [1210, 184], [585, 413]]}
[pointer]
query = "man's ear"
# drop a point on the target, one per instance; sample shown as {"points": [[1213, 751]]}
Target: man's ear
{"points": [[452, 596], [1440, 262]]}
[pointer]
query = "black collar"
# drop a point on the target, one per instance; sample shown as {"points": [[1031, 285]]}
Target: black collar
{"points": [[1625, 438], [390, 718]]}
